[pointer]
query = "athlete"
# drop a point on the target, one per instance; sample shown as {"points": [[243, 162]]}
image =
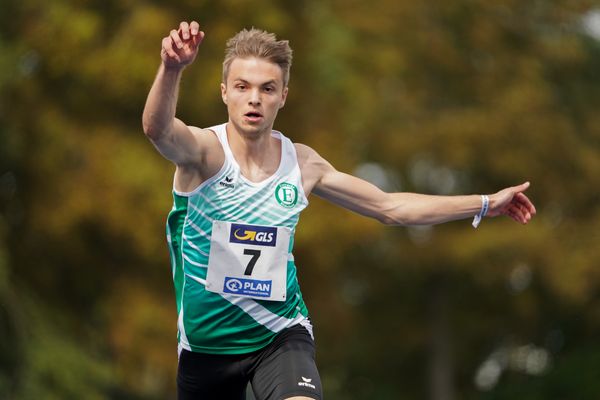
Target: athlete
{"points": [[239, 188]]}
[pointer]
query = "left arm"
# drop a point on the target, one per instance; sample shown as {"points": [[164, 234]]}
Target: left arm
{"points": [[409, 208]]}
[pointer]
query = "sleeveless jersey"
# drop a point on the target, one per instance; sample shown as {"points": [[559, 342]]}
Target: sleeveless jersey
{"points": [[224, 323]]}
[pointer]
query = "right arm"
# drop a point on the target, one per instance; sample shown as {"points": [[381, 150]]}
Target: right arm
{"points": [[173, 138]]}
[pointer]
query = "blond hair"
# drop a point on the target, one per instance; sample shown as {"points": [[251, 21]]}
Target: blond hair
{"points": [[260, 44]]}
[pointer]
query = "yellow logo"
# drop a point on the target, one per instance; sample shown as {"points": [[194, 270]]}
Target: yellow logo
{"points": [[248, 235], [253, 234]]}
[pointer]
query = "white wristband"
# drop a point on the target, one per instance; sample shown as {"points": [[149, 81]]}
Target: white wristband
{"points": [[485, 204]]}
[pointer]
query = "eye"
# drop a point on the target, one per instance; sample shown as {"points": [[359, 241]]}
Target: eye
{"points": [[269, 89], [240, 86]]}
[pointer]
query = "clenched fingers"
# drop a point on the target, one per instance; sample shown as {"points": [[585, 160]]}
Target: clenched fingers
{"points": [[167, 48], [174, 35], [522, 199]]}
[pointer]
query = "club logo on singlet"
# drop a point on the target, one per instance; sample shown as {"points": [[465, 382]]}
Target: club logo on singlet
{"points": [[286, 194]]}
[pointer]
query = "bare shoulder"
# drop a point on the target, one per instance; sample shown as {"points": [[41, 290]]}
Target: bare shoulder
{"points": [[307, 156], [191, 146], [185, 145], [312, 166], [210, 152], [205, 157], [206, 138], [303, 152]]}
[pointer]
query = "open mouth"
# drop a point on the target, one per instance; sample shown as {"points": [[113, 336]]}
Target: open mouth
{"points": [[253, 114]]}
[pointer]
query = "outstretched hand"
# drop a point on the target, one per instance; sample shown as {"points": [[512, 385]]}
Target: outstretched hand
{"points": [[180, 48], [513, 203]]}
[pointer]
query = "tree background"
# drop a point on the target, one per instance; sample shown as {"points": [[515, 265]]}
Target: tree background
{"points": [[464, 96]]}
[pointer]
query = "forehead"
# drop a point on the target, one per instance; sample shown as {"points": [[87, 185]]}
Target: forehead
{"points": [[255, 70]]}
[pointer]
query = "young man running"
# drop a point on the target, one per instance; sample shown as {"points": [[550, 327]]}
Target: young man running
{"points": [[239, 188]]}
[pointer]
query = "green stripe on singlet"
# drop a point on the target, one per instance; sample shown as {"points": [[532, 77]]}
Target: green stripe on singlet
{"points": [[175, 222]]}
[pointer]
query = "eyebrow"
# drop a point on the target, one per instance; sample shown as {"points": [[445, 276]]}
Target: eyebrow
{"points": [[269, 82]]}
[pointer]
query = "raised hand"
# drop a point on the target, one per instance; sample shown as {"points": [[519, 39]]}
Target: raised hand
{"points": [[513, 203], [180, 48]]}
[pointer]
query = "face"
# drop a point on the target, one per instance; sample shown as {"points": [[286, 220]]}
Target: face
{"points": [[253, 93]]}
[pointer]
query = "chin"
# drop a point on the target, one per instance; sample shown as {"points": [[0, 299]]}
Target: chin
{"points": [[250, 130], [255, 128]]}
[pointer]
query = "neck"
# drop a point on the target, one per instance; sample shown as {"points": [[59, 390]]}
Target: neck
{"points": [[252, 142], [257, 153]]}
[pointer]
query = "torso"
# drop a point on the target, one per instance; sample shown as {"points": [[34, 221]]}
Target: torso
{"points": [[207, 320]]}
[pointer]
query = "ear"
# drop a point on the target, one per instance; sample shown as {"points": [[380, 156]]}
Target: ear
{"points": [[283, 97], [224, 92]]}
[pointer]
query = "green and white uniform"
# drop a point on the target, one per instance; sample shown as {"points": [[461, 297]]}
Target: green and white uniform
{"points": [[226, 323]]}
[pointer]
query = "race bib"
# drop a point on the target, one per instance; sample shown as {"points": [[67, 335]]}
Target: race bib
{"points": [[248, 260]]}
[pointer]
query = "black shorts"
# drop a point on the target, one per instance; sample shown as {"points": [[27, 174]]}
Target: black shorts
{"points": [[285, 368]]}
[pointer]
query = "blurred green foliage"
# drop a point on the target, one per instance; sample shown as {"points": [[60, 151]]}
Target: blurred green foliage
{"points": [[464, 96]]}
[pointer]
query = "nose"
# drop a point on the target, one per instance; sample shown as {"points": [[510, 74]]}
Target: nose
{"points": [[254, 99]]}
